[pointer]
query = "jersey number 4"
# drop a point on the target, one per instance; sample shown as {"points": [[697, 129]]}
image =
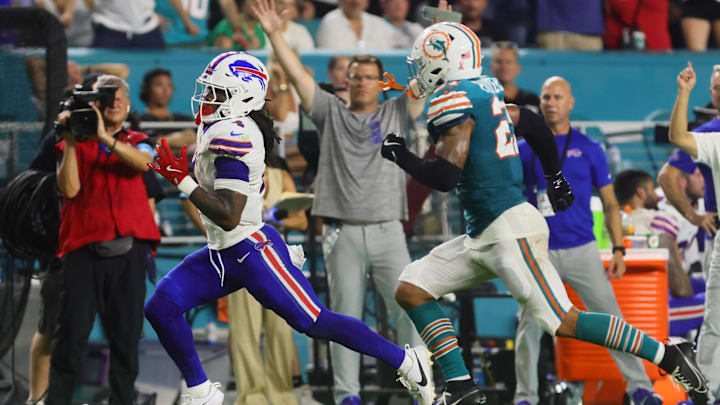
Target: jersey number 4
{"points": [[506, 145]]}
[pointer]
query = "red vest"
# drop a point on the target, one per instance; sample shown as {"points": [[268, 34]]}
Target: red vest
{"points": [[112, 199]]}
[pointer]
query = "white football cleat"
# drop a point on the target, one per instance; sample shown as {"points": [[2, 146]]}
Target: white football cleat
{"points": [[213, 397], [418, 379]]}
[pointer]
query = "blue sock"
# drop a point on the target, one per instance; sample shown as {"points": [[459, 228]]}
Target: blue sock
{"points": [[355, 335]]}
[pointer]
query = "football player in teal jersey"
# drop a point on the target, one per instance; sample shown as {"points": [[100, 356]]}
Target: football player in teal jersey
{"points": [[477, 153]]}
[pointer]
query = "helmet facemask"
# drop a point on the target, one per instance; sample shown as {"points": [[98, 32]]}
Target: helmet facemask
{"points": [[232, 86]]}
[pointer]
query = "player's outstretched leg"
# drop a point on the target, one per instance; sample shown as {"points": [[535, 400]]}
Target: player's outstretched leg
{"points": [[273, 277], [188, 285], [614, 333], [437, 332]]}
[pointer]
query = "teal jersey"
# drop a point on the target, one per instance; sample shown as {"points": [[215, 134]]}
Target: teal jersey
{"points": [[198, 10], [491, 180]]}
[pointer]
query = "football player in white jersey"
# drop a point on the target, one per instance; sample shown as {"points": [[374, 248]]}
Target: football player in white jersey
{"points": [[234, 138]]}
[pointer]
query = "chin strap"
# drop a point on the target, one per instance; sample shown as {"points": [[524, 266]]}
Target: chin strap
{"points": [[391, 84]]}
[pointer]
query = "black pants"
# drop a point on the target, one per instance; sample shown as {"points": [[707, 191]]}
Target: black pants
{"points": [[114, 288], [105, 37]]}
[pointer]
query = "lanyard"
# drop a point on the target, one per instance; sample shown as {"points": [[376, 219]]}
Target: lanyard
{"points": [[562, 158]]}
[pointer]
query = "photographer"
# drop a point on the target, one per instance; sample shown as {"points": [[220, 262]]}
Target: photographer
{"points": [[106, 237]]}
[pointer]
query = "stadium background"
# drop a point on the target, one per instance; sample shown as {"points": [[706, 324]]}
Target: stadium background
{"points": [[620, 97]]}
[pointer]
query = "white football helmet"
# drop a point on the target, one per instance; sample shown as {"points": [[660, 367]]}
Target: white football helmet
{"points": [[443, 52], [240, 76]]}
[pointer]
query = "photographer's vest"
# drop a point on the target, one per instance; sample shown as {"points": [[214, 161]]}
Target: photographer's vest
{"points": [[111, 202]]}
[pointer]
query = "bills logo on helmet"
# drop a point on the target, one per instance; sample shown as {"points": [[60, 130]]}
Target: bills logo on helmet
{"points": [[246, 72], [436, 45]]}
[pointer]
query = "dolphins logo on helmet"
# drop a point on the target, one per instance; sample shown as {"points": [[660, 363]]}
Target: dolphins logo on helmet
{"points": [[444, 52]]}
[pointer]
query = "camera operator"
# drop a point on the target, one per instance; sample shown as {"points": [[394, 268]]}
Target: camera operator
{"points": [[106, 237]]}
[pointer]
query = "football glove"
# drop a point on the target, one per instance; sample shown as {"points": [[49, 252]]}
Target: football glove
{"points": [[559, 191], [392, 146], [172, 168]]}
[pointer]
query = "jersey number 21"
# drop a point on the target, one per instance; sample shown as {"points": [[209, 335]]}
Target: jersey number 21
{"points": [[506, 145]]}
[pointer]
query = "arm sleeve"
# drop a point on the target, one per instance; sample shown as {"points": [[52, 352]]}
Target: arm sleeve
{"points": [[448, 108], [662, 222], [708, 148], [681, 160], [532, 127], [234, 154], [599, 167], [320, 108]]}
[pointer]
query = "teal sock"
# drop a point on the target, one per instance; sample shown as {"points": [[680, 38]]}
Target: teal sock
{"points": [[438, 333], [614, 333]]}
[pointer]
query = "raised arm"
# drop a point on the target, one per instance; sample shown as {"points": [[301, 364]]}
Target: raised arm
{"points": [[272, 24], [679, 135]]}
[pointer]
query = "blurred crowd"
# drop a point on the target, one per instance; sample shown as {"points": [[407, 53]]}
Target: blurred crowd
{"points": [[386, 24]]}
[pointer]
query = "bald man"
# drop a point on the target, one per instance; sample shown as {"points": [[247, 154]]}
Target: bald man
{"points": [[573, 249]]}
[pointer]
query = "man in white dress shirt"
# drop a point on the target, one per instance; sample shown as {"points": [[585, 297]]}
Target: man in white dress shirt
{"points": [[351, 27], [703, 148]]}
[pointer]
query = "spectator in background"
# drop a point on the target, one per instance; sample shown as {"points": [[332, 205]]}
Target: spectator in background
{"points": [[351, 27], [132, 24], [284, 108], [156, 91], [506, 68], [573, 249], [518, 19], [472, 15], [691, 238], [636, 189], [700, 19], [296, 35], [362, 194], [622, 17], [570, 24], [75, 16], [239, 32], [35, 68], [186, 28], [107, 234], [395, 12], [337, 73]]}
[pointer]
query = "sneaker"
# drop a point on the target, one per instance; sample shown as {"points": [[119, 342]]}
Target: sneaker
{"points": [[213, 397], [469, 396], [641, 396], [679, 362], [304, 395], [418, 379]]}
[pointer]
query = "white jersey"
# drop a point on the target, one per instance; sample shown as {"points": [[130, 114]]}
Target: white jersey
{"points": [[230, 155]]}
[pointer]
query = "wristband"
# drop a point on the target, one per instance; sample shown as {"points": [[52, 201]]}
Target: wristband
{"points": [[187, 185], [620, 249]]}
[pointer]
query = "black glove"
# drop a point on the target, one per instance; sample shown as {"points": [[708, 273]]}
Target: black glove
{"points": [[559, 191], [392, 146]]}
